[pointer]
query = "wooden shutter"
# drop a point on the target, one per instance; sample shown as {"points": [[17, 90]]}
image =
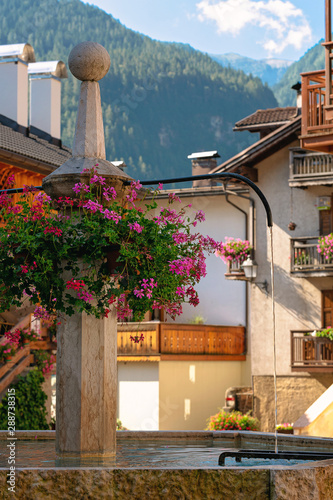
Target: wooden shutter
{"points": [[327, 308], [325, 221]]}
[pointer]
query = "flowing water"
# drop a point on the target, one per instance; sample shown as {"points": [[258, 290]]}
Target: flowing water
{"points": [[270, 228]]}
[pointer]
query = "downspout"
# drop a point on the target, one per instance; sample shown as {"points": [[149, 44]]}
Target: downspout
{"points": [[251, 243]]}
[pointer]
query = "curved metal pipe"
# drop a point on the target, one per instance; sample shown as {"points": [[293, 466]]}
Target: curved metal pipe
{"points": [[222, 175], [175, 180]]}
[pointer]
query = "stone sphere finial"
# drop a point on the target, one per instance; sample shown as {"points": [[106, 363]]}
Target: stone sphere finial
{"points": [[89, 61]]}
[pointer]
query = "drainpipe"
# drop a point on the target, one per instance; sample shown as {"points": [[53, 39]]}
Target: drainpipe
{"points": [[251, 242]]}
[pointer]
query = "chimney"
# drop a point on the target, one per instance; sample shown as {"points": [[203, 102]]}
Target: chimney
{"points": [[298, 88], [14, 61], [45, 98], [203, 163]]}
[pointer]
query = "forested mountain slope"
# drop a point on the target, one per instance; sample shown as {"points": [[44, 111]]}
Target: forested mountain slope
{"points": [[161, 101]]}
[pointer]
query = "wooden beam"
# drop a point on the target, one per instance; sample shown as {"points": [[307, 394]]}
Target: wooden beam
{"points": [[45, 345], [202, 357], [8, 379], [15, 359], [137, 358]]}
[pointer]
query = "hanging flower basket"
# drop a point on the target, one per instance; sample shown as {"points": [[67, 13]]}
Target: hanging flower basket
{"points": [[94, 251], [234, 252]]}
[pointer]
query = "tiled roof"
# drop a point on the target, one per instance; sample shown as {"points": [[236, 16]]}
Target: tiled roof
{"points": [[32, 147], [263, 148], [268, 116]]}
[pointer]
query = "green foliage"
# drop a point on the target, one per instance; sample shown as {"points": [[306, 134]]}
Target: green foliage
{"points": [[120, 426], [161, 101], [324, 333], [30, 412], [313, 59], [235, 420]]}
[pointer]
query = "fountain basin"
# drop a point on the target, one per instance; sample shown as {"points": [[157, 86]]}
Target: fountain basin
{"points": [[166, 465]]}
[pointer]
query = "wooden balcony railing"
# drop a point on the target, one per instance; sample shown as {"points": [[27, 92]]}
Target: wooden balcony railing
{"points": [[175, 339], [310, 169], [311, 354], [305, 259], [317, 125]]}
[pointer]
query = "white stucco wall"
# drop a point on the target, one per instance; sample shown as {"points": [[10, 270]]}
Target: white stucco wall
{"points": [[298, 300], [222, 302], [138, 395]]}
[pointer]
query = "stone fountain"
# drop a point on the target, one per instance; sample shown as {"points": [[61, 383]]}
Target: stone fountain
{"points": [[87, 346], [87, 390]]}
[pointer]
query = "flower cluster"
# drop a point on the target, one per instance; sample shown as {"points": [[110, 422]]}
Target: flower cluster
{"points": [[286, 426], [97, 250], [325, 246], [137, 338], [19, 336], [6, 351], [233, 249], [323, 332], [44, 361], [235, 420]]}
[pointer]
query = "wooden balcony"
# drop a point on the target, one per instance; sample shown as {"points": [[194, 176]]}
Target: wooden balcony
{"points": [[305, 261], [311, 354], [317, 113], [310, 169], [176, 341]]}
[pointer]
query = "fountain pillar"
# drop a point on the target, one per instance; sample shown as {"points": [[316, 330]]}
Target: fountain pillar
{"points": [[87, 346]]}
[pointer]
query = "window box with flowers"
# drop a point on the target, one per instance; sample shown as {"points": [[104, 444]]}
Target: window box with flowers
{"points": [[56, 253], [234, 252], [285, 428], [7, 351]]}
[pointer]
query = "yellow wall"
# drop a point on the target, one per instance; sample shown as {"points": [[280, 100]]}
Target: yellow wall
{"points": [[192, 391], [321, 426]]}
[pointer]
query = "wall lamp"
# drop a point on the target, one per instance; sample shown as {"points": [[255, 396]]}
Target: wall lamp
{"points": [[250, 268]]}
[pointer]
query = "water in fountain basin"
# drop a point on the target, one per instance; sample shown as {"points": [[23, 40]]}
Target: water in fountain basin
{"points": [[137, 454]]}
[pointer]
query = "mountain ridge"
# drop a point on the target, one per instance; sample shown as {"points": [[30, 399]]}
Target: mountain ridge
{"points": [[270, 71], [160, 101]]}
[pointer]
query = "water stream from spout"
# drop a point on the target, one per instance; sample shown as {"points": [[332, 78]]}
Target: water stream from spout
{"points": [[270, 229]]}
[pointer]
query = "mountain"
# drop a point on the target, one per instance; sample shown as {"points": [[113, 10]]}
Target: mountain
{"points": [[270, 71], [161, 101], [313, 59]]}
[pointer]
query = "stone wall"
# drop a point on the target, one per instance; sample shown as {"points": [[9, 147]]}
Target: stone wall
{"points": [[294, 395], [195, 484]]}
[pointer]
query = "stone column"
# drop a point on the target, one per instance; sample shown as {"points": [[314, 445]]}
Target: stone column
{"points": [[87, 347]]}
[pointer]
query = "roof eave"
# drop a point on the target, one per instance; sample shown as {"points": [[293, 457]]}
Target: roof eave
{"points": [[262, 148], [21, 161]]}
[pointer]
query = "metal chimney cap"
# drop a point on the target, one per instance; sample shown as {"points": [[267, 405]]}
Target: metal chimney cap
{"points": [[23, 51], [54, 68]]}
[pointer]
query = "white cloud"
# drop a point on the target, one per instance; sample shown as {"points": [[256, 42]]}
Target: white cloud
{"points": [[282, 23]]}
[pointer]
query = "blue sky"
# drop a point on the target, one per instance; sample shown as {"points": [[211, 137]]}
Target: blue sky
{"points": [[282, 29]]}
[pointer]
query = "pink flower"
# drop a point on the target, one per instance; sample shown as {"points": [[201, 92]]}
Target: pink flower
{"points": [[97, 180], [11, 180], [135, 227], [200, 216], [94, 206]]}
